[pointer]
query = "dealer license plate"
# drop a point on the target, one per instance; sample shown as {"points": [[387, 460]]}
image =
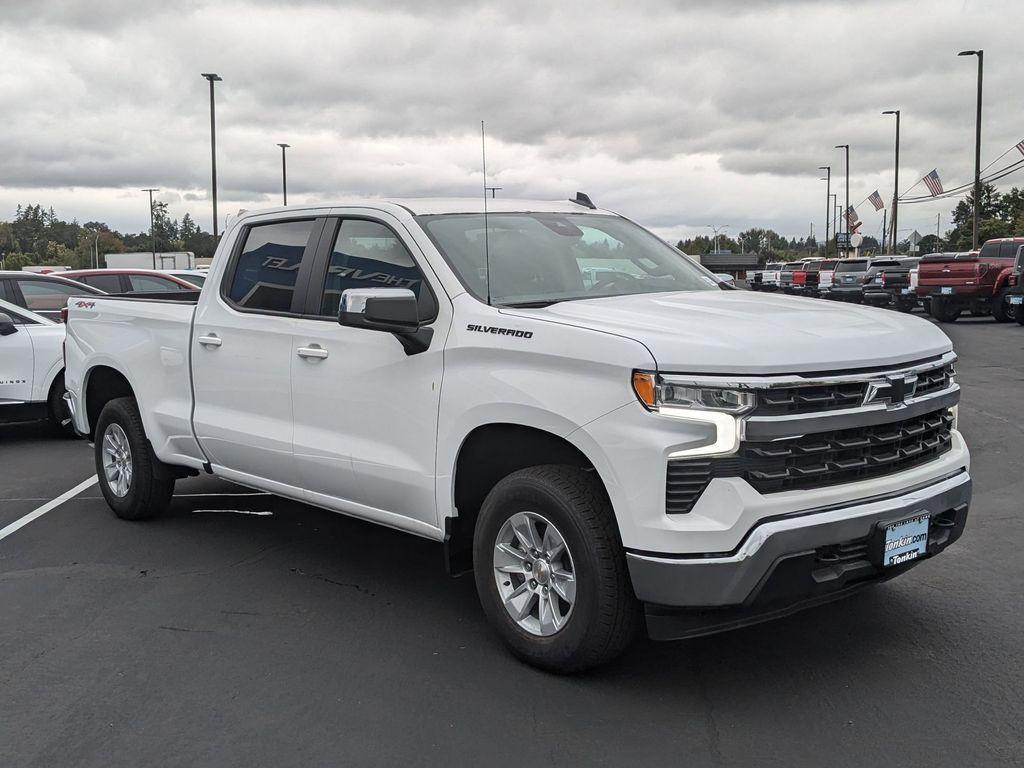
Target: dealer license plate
{"points": [[1017, 299], [906, 290], [905, 540], [947, 289]]}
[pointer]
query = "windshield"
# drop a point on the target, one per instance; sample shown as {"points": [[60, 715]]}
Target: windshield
{"points": [[851, 266], [541, 258]]}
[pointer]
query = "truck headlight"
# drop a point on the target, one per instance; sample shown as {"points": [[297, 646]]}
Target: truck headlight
{"points": [[655, 392]]}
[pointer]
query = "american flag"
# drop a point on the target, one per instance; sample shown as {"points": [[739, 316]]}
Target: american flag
{"points": [[933, 182], [1020, 146], [876, 200], [851, 217]]}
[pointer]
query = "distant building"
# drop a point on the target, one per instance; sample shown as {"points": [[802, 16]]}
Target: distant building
{"points": [[735, 264]]}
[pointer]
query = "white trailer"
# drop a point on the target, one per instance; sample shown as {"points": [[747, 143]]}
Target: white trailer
{"points": [[147, 260]]}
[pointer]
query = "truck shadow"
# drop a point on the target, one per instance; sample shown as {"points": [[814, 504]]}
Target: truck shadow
{"points": [[374, 574]]}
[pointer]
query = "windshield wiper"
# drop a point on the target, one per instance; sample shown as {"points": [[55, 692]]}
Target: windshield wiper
{"points": [[531, 304]]}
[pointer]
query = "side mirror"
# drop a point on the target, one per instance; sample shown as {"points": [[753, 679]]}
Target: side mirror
{"points": [[392, 310], [7, 326]]}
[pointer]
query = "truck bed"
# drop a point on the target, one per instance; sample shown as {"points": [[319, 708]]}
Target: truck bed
{"points": [[147, 340]]}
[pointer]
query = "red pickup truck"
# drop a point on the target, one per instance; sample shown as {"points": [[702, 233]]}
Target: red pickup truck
{"points": [[977, 281]]}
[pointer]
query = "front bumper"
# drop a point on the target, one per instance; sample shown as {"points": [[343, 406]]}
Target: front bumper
{"points": [[789, 562]]}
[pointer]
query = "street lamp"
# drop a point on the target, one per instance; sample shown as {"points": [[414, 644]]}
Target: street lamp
{"points": [[492, 190], [284, 173], [828, 190], [152, 230], [716, 230], [213, 78], [896, 178], [977, 147], [846, 208]]}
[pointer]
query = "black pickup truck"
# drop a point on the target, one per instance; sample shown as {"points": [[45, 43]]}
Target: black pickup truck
{"points": [[887, 283]]}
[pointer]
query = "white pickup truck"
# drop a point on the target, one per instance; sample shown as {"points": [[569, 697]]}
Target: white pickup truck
{"points": [[590, 422]]}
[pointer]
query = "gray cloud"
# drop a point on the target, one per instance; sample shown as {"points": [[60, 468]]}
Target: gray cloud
{"points": [[674, 112]]}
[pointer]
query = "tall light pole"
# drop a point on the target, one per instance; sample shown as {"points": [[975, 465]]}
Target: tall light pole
{"points": [[152, 230], [828, 193], [896, 178], [284, 173], [213, 78], [492, 190], [716, 230], [977, 147], [846, 207], [835, 218]]}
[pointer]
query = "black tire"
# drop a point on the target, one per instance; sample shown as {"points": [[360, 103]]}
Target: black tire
{"points": [[1002, 310], [944, 312], [150, 490], [57, 410], [905, 306], [606, 615]]}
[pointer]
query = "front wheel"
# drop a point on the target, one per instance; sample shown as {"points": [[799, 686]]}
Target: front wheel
{"points": [[128, 470], [550, 569]]}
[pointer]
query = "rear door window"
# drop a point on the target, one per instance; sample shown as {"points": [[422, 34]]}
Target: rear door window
{"points": [[47, 295], [151, 284], [107, 283], [268, 265], [990, 250], [1008, 250]]}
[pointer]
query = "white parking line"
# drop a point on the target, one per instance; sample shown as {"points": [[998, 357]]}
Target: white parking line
{"points": [[53, 504]]}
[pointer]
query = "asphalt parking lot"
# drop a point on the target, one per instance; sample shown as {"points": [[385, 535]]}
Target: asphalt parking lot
{"points": [[242, 629]]}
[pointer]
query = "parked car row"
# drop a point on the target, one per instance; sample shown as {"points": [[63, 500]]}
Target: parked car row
{"points": [[983, 282], [32, 336], [48, 294]]}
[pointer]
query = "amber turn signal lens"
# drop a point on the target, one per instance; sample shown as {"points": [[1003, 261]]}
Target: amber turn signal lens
{"points": [[643, 385]]}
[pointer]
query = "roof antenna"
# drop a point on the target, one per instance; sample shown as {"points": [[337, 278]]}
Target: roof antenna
{"points": [[487, 244]]}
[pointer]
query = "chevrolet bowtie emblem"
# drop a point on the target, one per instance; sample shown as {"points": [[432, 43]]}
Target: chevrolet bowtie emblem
{"points": [[893, 389]]}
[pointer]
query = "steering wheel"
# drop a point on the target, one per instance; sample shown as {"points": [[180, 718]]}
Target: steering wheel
{"points": [[619, 277]]}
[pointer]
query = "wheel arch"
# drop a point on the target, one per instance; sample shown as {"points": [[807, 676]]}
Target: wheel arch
{"points": [[488, 453], [102, 383]]}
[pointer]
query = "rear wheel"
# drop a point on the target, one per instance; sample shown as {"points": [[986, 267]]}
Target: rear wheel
{"points": [[944, 311], [550, 569], [129, 472], [1002, 310]]}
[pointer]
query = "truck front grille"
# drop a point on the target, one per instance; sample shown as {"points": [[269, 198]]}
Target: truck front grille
{"points": [[815, 398], [815, 460]]}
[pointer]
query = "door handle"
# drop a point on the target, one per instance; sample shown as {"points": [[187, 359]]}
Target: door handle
{"points": [[210, 340], [315, 351]]}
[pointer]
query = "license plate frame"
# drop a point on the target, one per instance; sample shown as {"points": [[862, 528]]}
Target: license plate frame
{"points": [[901, 541], [946, 290]]}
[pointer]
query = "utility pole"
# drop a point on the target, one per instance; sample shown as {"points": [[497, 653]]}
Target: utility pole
{"points": [[885, 239], [896, 177], [977, 147], [213, 78], [152, 230], [938, 217], [284, 173], [846, 207], [828, 193]]}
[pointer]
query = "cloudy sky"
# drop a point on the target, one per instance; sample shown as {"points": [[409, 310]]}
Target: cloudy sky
{"points": [[679, 114]]}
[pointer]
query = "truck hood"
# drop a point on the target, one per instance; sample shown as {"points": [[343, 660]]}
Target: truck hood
{"points": [[743, 332]]}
